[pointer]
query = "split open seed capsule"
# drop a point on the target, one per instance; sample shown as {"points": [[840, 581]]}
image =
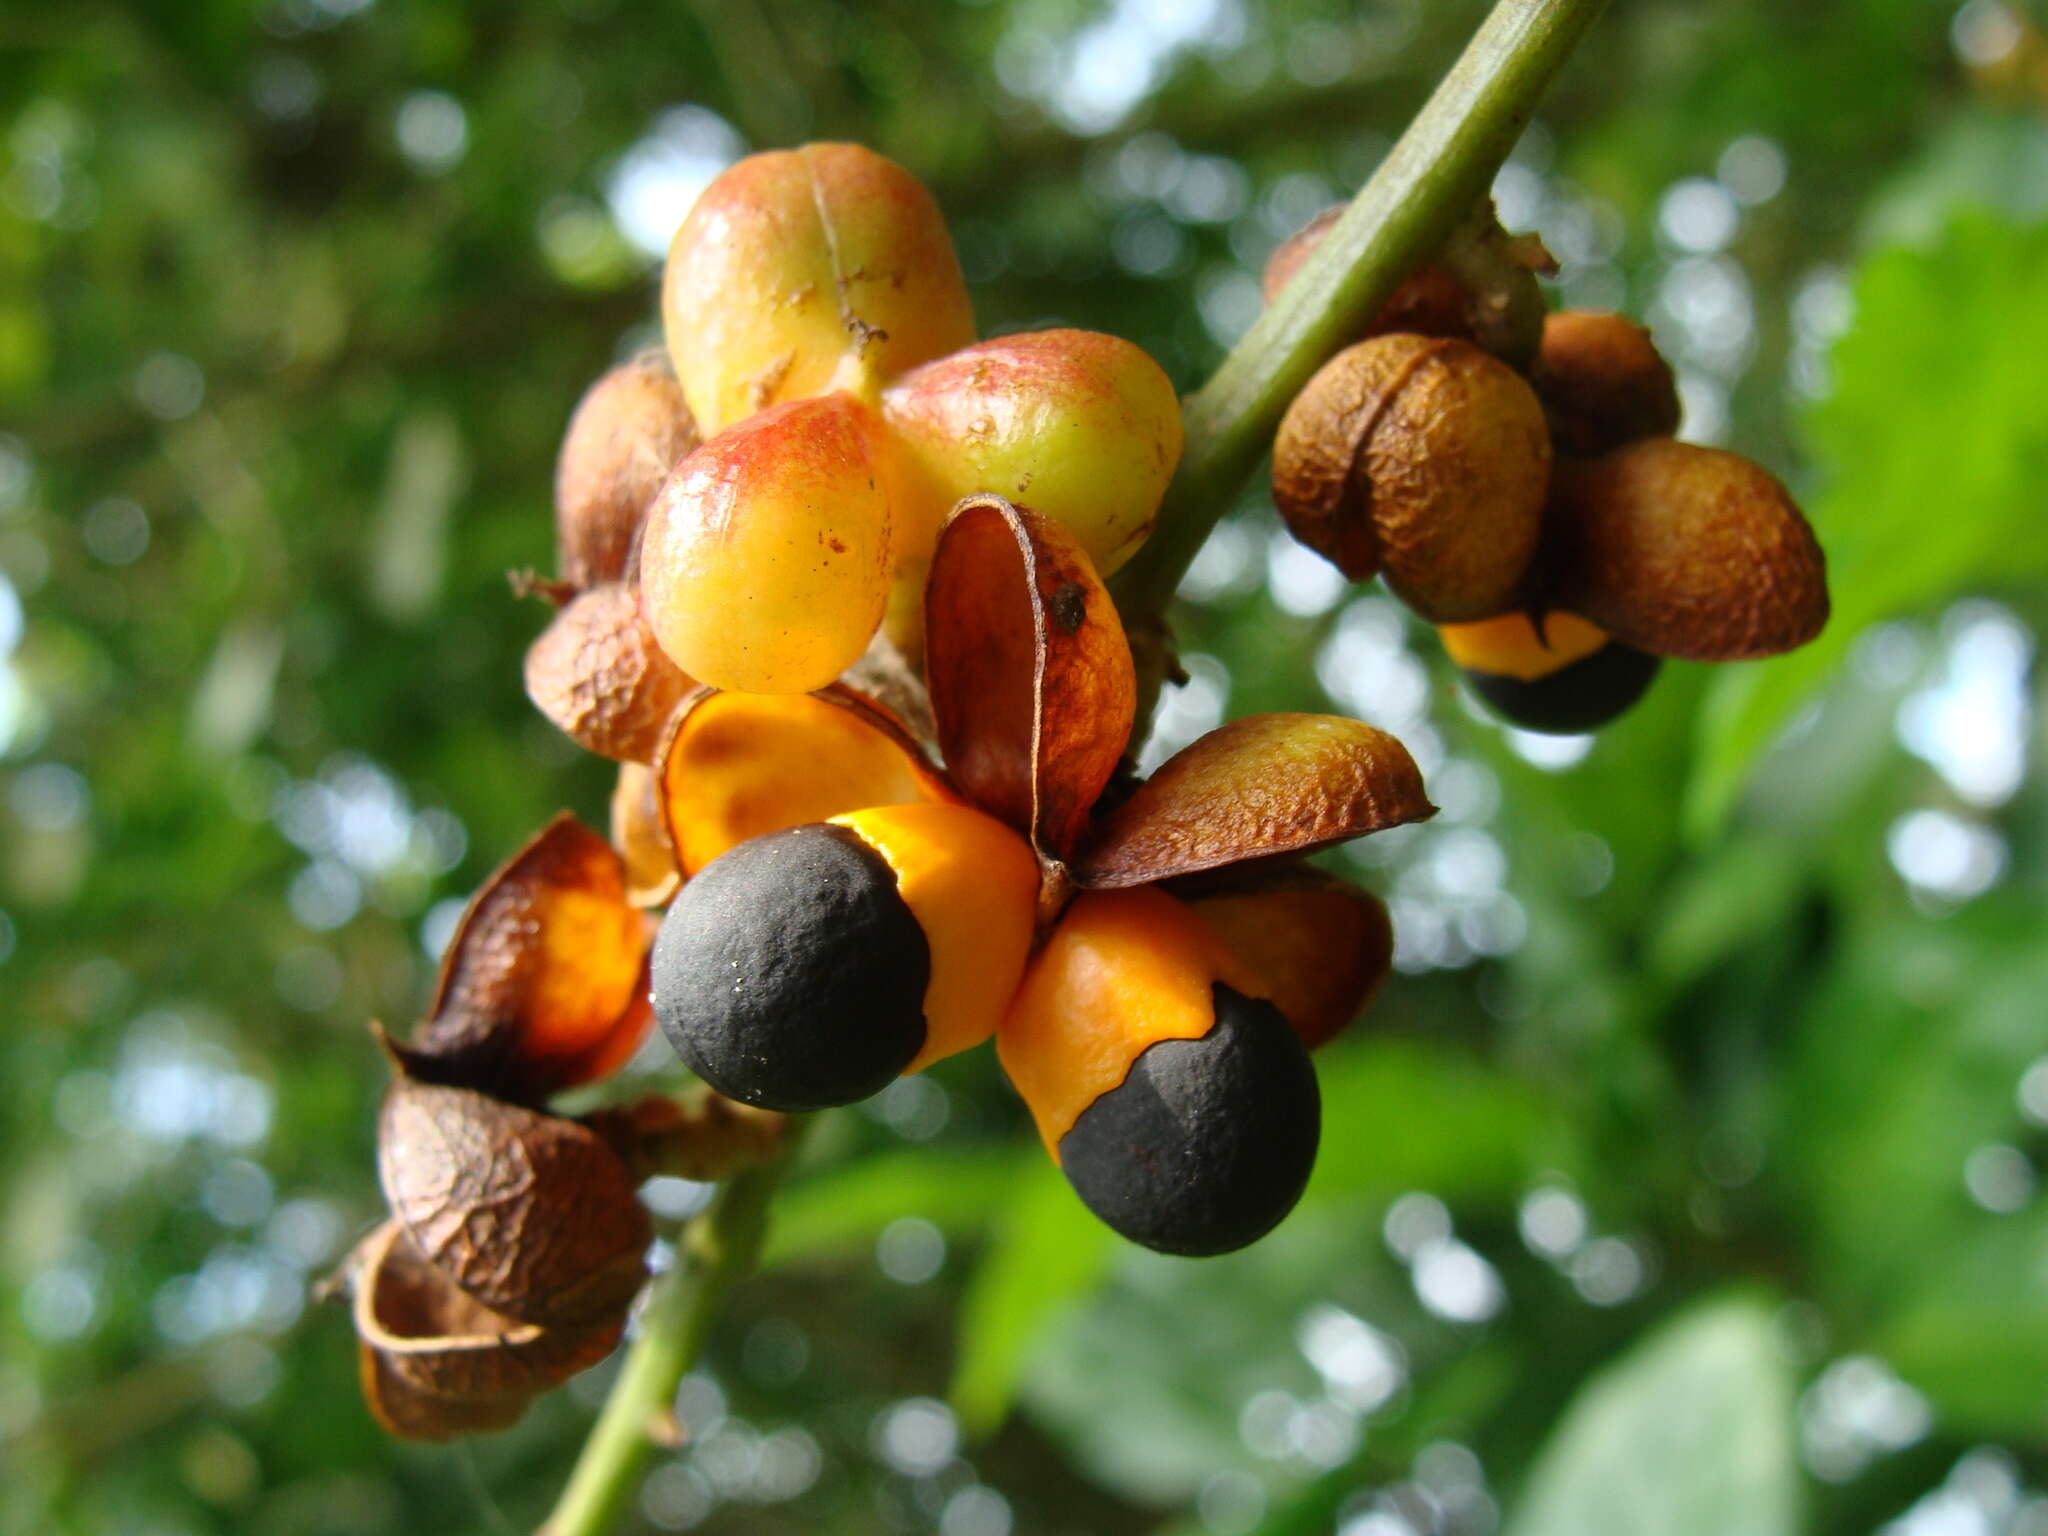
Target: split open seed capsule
{"points": [[811, 966], [1568, 677], [1183, 1110]]}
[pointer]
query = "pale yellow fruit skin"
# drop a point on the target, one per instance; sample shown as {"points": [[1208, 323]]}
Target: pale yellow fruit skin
{"points": [[764, 567], [1080, 427], [803, 271]]}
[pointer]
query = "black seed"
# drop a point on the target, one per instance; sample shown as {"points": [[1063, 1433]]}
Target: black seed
{"points": [[1579, 696], [790, 974], [1206, 1143]]}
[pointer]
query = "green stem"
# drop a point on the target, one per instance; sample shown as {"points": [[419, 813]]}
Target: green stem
{"points": [[720, 1250], [1431, 179]]}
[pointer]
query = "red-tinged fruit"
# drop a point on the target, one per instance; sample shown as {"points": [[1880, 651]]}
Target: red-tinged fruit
{"points": [[764, 565], [1081, 427], [799, 272]]}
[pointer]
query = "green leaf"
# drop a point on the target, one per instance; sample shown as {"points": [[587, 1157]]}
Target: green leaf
{"points": [[1405, 1114], [1934, 450], [1719, 904], [1976, 1339], [845, 1208], [1045, 1252], [1688, 1434]]}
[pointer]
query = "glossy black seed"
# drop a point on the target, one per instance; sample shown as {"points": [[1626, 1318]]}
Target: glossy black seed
{"points": [[790, 974], [1206, 1143], [1580, 696]]}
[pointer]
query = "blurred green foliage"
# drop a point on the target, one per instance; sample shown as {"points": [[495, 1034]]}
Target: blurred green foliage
{"points": [[1683, 1179]]}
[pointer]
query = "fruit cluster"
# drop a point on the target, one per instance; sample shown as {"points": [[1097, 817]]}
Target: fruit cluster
{"points": [[1152, 959], [831, 592], [1513, 478], [874, 851]]}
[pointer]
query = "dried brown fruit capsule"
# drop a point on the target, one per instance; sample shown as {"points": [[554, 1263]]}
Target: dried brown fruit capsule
{"points": [[597, 672], [530, 1214], [1603, 383], [1481, 289], [627, 433], [1422, 457], [437, 1363], [1685, 551], [543, 985]]}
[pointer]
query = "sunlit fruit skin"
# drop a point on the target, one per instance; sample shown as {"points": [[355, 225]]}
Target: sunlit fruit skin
{"points": [[808, 967], [1184, 1112], [1423, 458], [1571, 678], [764, 565], [1602, 382], [628, 431], [802, 271], [1081, 427], [1684, 551]]}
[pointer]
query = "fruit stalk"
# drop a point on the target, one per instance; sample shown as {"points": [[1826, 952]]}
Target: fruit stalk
{"points": [[1442, 165], [719, 1250]]}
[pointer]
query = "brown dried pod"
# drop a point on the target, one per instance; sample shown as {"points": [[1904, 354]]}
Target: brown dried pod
{"points": [[637, 833], [436, 1362], [544, 983], [1602, 382], [1424, 458], [1481, 288], [1685, 551], [627, 432], [533, 1215], [1256, 788], [597, 673]]}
